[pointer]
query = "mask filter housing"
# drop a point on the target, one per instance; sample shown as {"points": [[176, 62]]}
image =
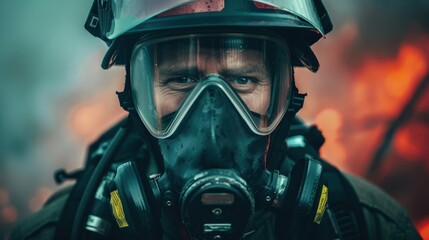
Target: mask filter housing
{"points": [[217, 204]]}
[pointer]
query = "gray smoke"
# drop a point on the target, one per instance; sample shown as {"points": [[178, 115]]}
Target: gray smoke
{"points": [[44, 51]]}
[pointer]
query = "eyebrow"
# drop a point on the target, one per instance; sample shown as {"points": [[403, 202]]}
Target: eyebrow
{"points": [[182, 70], [179, 70], [247, 69]]}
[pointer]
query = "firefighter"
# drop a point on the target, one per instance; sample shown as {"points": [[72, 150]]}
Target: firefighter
{"points": [[211, 148]]}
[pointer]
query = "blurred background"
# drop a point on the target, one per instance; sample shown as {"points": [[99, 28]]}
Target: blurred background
{"points": [[370, 98]]}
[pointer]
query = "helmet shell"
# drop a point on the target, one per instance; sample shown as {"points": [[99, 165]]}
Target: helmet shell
{"points": [[267, 14]]}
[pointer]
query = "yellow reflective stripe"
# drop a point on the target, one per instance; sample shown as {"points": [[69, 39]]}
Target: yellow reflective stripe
{"points": [[322, 205], [117, 209]]}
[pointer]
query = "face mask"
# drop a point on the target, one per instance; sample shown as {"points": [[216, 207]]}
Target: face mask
{"points": [[213, 166], [212, 183], [213, 147]]}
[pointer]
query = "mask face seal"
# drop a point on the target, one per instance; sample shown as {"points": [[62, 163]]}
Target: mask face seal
{"points": [[169, 73]]}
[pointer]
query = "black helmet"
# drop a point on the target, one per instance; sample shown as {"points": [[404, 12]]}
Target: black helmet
{"points": [[117, 22]]}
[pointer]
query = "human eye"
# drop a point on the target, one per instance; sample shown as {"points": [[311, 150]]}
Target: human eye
{"points": [[244, 84], [182, 83]]}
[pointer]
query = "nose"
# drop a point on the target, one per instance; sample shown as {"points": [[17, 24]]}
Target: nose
{"points": [[209, 64]]}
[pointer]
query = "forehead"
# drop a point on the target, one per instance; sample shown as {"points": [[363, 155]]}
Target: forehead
{"points": [[219, 49], [215, 42]]}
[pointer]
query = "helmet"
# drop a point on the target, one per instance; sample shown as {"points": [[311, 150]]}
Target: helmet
{"points": [[117, 22]]}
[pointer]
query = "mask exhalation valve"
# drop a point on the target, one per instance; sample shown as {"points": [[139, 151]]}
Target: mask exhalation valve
{"points": [[217, 204]]}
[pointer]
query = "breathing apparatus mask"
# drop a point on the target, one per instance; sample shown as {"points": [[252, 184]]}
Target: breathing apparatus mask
{"points": [[212, 100]]}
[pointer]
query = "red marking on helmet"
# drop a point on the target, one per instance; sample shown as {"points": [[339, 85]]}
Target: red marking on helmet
{"points": [[200, 6], [264, 6]]}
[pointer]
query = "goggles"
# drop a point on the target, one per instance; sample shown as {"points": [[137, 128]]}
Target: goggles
{"points": [[168, 74]]}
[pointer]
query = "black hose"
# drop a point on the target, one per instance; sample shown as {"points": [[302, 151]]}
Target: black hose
{"points": [[94, 181]]}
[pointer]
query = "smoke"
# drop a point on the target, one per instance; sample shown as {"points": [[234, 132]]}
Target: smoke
{"points": [[48, 66], [381, 25]]}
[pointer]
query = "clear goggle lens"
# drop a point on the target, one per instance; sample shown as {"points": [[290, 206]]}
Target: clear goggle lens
{"points": [[169, 73]]}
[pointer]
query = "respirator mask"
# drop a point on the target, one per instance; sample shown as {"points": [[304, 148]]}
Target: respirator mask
{"points": [[212, 100]]}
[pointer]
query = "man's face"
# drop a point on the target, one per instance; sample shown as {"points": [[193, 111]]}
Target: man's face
{"points": [[179, 70]]}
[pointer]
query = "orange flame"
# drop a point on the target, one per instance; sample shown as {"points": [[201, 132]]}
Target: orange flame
{"points": [[423, 228], [381, 87], [331, 120]]}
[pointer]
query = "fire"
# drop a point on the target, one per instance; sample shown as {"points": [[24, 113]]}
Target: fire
{"points": [[379, 91], [423, 228], [330, 121], [411, 142], [381, 87]]}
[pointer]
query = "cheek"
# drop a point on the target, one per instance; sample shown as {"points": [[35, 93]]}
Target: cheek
{"points": [[259, 100], [167, 101]]}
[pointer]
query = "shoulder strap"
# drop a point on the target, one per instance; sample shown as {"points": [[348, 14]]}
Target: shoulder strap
{"points": [[344, 205]]}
